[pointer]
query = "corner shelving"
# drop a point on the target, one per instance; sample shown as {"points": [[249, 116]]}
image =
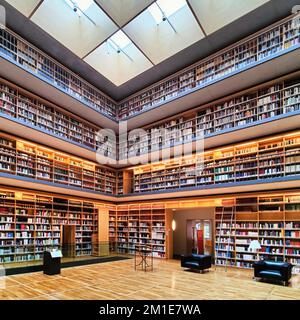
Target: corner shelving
{"points": [[267, 43]]}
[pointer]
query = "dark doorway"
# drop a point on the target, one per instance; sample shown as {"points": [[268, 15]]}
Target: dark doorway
{"points": [[68, 241]]}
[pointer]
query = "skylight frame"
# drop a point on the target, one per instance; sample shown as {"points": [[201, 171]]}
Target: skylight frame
{"points": [[161, 9], [119, 40], [83, 5]]}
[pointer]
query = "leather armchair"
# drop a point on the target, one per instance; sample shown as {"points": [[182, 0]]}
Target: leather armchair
{"points": [[274, 270], [196, 261]]}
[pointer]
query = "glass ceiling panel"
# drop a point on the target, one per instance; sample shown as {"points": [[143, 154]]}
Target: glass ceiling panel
{"points": [[83, 5], [117, 65], [165, 8], [80, 30], [119, 40], [122, 11], [215, 14], [161, 41]]}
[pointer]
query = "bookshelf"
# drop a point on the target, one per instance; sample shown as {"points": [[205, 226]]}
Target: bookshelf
{"points": [[139, 223], [254, 49], [21, 105], [263, 159], [30, 223], [30, 58], [272, 219], [257, 105], [23, 158], [120, 182]]}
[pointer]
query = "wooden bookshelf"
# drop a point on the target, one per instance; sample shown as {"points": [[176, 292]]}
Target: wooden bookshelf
{"points": [[31, 223], [263, 159], [264, 44], [120, 182], [135, 224], [19, 104], [31, 58], [278, 98], [272, 219], [23, 158]]}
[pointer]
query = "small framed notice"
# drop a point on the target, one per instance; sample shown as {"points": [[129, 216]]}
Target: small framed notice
{"points": [[56, 254]]}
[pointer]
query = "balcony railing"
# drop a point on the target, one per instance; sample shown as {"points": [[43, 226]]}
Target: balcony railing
{"points": [[30, 58], [265, 44], [269, 103]]}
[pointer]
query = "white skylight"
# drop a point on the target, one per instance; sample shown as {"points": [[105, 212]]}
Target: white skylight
{"points": [[83, 5], [119, 40], [156, 13], [167, 7]]}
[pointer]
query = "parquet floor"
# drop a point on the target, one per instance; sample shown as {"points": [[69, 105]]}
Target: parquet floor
{"points": [[118, 280]]}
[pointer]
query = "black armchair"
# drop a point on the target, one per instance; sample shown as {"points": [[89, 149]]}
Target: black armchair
{"points": [[196, 261], [274, 270]]}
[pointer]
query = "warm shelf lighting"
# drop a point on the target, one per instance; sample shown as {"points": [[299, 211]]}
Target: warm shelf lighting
{"points": [[173, 225]]}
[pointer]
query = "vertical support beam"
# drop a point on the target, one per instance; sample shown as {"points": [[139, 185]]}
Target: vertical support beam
{"points": [[101, 243], [127, 181]]}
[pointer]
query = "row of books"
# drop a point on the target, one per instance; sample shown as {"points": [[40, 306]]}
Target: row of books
{"points": [[128, 228], [262, 104], [253, 50], [48, 118], [33, 161]]}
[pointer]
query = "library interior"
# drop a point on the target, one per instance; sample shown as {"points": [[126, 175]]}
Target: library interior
{"points": [[150, 149]]}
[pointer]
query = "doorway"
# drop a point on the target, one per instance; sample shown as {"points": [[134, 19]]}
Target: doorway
{"points": [[68, 241], [199, 236]]}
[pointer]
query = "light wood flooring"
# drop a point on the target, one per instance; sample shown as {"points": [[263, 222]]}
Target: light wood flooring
{"points": [[118, 280]]}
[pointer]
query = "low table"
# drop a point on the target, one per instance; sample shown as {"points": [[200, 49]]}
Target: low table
{"points": [[143, 257]]}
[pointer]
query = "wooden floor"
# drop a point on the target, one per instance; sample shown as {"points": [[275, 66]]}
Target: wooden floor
{"points": [[118, 280]]}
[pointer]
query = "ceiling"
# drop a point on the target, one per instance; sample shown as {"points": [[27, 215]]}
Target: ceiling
{"points": [[114, 44]]}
